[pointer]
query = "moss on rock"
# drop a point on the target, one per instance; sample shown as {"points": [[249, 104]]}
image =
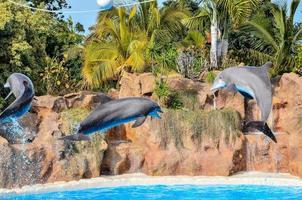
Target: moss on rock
{"points": [[200, 124]]}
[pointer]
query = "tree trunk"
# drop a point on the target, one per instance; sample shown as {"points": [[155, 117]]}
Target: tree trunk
{"points": [[223, 46], [214, 42]]}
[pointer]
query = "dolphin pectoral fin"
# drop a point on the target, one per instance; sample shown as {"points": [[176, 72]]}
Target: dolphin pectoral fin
{"points": [[139, 121], [232, 88], [76, 137], [8, 95], [246, 95]]}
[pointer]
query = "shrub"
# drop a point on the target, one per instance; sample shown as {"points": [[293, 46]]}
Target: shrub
{"points": [[173, 101], [298, 68], [161, 90], [210, 77], [57, 78]]}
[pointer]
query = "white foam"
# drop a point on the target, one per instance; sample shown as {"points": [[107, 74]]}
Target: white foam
{"points": [[247, 178]]}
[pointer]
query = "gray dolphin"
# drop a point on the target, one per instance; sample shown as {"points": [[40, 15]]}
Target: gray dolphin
{"points": [[252, 83], [22, 88], [114, 113]]}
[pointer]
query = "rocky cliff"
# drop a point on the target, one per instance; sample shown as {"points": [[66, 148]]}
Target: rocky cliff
{"points": [[194, 141]]}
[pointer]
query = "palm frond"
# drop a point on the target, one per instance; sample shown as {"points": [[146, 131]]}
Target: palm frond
{"points": [[262, 33]]}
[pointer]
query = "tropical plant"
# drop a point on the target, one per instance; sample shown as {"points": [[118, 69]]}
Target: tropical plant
{"points": [[298, 58], [222, 16], [28, 38], [278, 36], [115, 45], [131, 40], [56, 78]]}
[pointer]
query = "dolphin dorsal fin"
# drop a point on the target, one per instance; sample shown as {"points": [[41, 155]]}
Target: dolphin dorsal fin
{"points": [[267, 65], [104, 98]]}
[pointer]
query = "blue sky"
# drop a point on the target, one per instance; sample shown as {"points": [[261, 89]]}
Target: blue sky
{"points": [[88, 19]]}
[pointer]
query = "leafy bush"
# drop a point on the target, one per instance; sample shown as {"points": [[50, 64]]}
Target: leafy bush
{"points": [[173, 101], [210, 77], [191, 61], [298, 68], [166, 96], [56, 78], [176, 99], [161, 90]]}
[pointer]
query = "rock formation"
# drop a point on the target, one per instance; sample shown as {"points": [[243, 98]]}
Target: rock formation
{"points": [[195, 141]]}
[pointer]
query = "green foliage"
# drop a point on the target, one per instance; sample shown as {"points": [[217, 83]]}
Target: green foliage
{"points": [[166, 96], [50, 4], [173, 101], [28, 38], [166, 60], [192, 61], [74, 115], [161, 89], [176, 99], [210, 77], [200, 125], [299, 60], [131, 40], [277, 36], [57, 78]]}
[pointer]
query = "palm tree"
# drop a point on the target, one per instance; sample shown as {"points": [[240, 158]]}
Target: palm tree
{"points": [[278, 37], [222, 16], [162, 25], [113, 46], [129, 39]]}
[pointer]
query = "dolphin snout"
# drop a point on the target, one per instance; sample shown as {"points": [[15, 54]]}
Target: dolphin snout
{"points": [[218, 85]]}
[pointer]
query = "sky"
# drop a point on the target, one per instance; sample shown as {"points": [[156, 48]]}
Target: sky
{"points": [[89, 19]]}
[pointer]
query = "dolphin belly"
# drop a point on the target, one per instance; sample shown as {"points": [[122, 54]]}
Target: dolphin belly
{"points": [[24, 109], [246, 92], [104, 127], [16, 115]]}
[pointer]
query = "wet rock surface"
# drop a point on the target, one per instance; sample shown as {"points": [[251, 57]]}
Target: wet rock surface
{"points": [[45, 158], [201, 141]]}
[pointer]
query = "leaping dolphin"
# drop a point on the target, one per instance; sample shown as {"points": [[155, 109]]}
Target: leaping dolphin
{"points": [[22, 88], [252, 83], [114, 113]]}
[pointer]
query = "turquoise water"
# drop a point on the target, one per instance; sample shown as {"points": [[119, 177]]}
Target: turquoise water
{"points": [[181, 192]]}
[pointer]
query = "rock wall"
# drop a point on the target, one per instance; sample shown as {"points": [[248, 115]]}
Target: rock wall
{"points": [[45, 158], [199, 142]]}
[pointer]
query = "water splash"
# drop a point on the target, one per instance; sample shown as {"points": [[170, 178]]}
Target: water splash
{"points": [[19, 166], [214, 101]]}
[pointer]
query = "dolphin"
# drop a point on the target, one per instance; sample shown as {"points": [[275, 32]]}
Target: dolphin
{"points": [[22, 88], [114, 113], [253, 83]]}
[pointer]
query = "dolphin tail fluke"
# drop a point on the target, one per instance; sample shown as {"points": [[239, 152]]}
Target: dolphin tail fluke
{"points": [[76, 137], [263, 127]]}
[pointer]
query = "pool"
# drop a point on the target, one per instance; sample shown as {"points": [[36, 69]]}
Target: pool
{"points": [[174, 192]]}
